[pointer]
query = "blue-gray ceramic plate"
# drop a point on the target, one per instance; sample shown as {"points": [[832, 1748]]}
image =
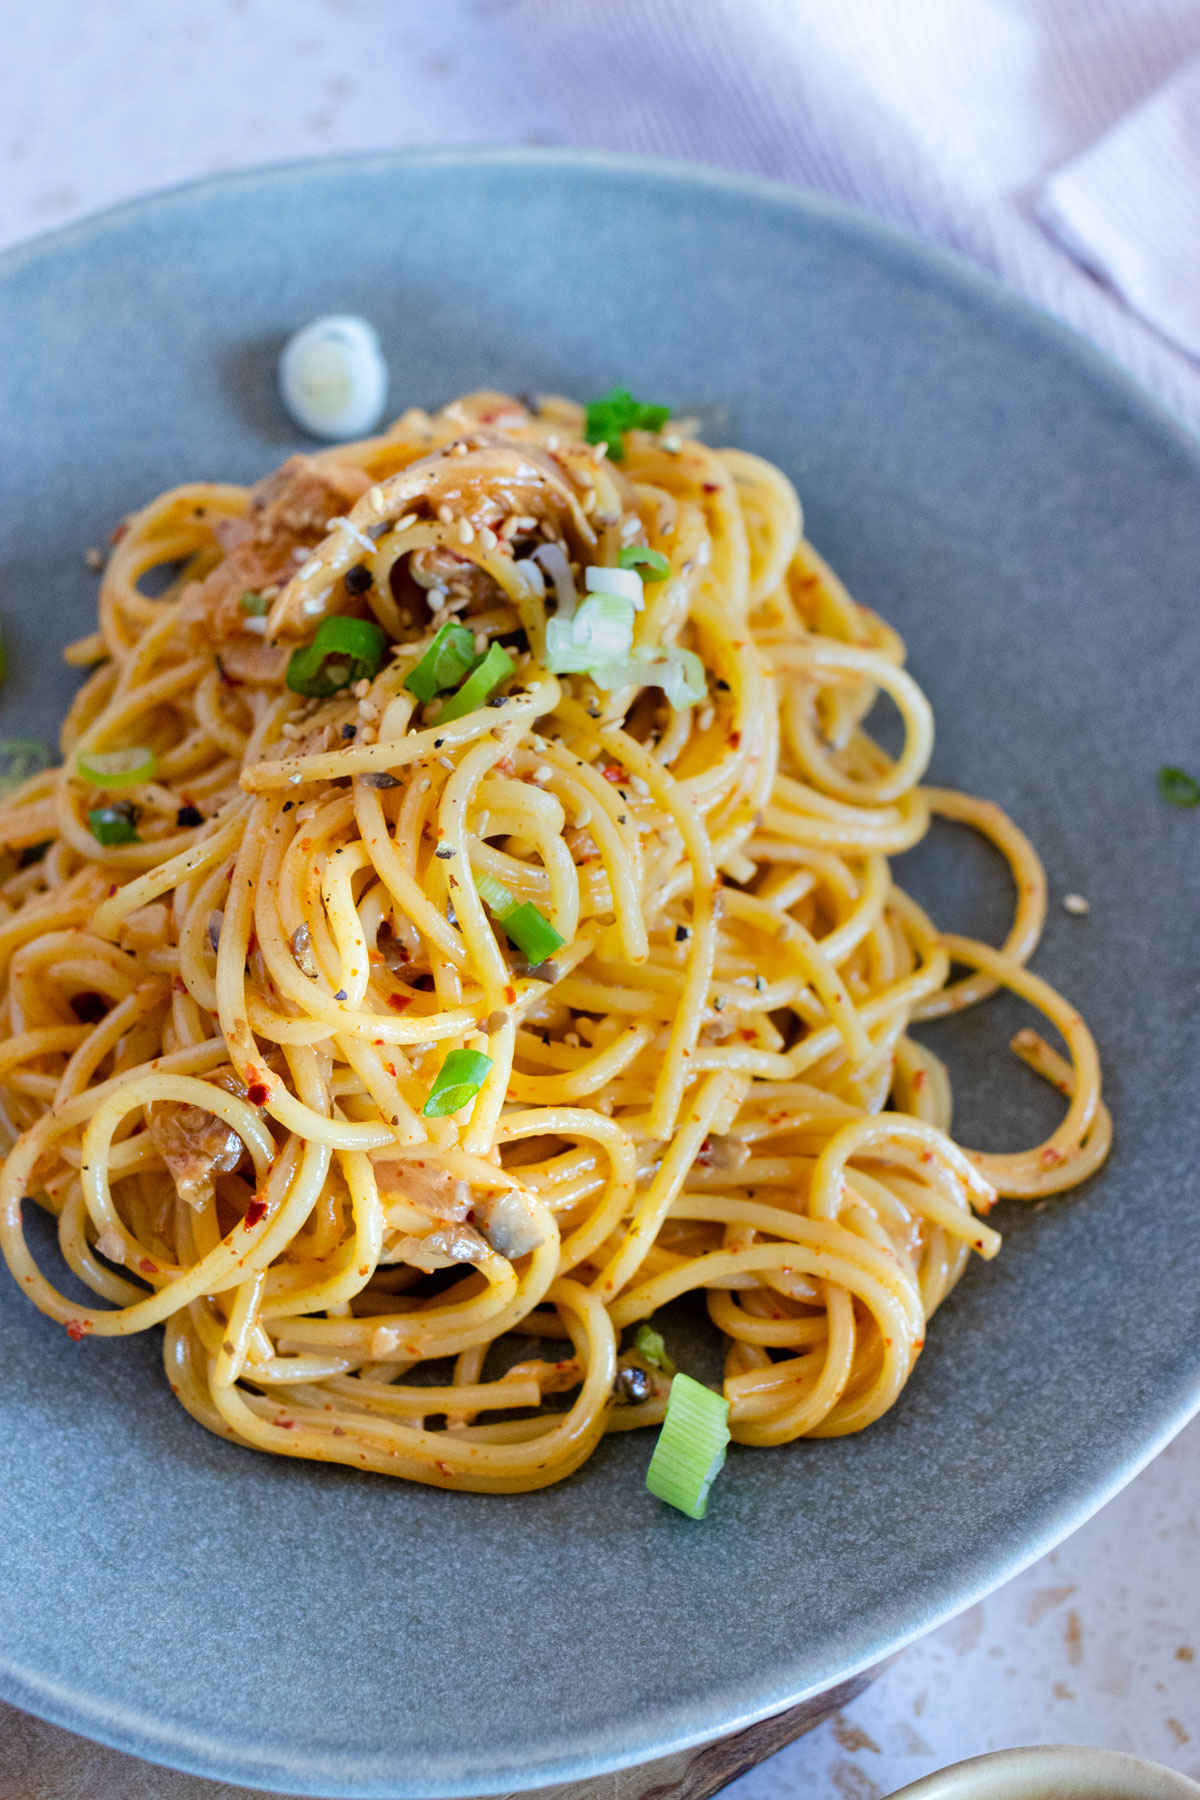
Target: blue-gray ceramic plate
{"points": [[1032, 526]]}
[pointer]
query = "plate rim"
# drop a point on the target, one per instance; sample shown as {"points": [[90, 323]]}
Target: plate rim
{"points": [[681, 1727]]}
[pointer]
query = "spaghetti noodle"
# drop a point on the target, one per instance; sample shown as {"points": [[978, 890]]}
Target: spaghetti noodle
{"points": [[236, 977]]}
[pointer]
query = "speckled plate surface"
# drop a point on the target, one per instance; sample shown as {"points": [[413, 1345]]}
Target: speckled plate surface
{"points": [[1032, 526]]}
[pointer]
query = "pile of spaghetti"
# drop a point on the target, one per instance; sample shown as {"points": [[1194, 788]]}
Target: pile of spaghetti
{"points": [[462, 922]]}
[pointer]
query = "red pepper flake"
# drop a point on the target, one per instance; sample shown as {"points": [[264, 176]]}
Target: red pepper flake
{"points": [[179, 985], [919, 1079], [76, 1329], [1050, 1155], [147, 1267], [256, 1211], [399, 1002], [120, 531], [747, 1036], [613, 774], [258, 1093], [712, 487], [735, 738], [112, 890], [444, 1467], [510, 994], [391, 1069], [286, 1424], [927, 1156], [704, 1154]]}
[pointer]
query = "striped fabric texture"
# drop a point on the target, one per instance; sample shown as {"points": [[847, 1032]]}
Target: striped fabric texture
{"points": [[1055, 142]]}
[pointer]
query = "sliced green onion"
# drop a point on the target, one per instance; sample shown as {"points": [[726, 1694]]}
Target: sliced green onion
{"points": [[600, 632], [650, 1347], [19, 759], [679, 673], [450, 656], [459, 1080], [602, 578], [254, 604], [690, 1452], [681, 677], [113, 825], [495, 896], [532, 933], [653, 564], [343, 651], [529, 929], [617, 412], [117, 768], [479, 686], [1178, 788]]}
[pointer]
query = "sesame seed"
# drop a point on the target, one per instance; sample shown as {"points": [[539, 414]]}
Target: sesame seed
{"points": [[291, 732], [446, 763], [639, 786], [446, 514], [1075, 903], [543, 773], [599, 451], [407, 522], [375, 498], [487, 537], [552, 442], [369, 711], [706, 718], [466, 531], [459, 449], [510, 528], [527, 522], [630, 528], [672, 444], [481, 643], [583, 818], [572, 1038], [361, 689]]}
